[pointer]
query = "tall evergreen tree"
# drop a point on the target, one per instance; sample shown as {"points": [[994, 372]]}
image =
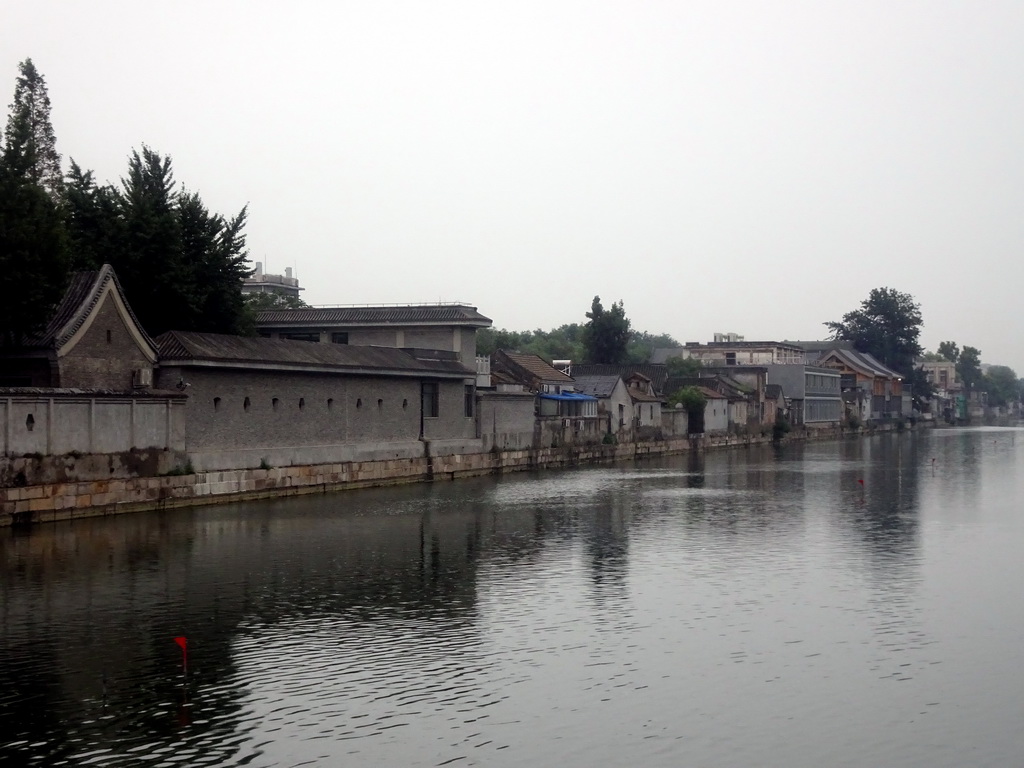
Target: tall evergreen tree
{"points": [[92, 216], [33, 242], [30, 144], [606, 334], [150, 265], [181, 265], [33, 257], [214, 255]]}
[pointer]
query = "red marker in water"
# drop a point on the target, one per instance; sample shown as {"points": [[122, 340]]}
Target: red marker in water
{"points": [[183, 644]]}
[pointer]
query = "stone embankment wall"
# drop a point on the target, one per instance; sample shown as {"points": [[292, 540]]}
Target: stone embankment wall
{"points": [[64, 501]]}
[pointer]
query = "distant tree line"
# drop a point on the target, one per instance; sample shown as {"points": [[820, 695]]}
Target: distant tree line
{"points": [[180, 264], [606, 337]]}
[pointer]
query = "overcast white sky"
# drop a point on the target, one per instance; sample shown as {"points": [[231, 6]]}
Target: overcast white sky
{"points": [[755, 167]]}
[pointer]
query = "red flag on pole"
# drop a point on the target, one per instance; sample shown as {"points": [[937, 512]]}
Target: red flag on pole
{"points": [[183, 644]]}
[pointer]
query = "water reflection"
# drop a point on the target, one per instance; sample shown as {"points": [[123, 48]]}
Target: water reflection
{"points": [[743, 607]]}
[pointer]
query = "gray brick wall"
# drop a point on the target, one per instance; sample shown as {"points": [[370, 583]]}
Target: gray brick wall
{"points": [[317, 417], [95, 362]]}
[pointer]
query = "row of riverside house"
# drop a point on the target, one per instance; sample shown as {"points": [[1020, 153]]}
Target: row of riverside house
{"points": [[93, 396]]}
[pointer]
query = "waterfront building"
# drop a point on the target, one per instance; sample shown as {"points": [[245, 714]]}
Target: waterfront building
{"points": [[813, 392], [734, 353], [255, 401], [261, 282], [864, 372], [448, 327], [92, 341]]}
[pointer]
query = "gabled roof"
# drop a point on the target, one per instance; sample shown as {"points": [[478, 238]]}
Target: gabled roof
{"points": [[444, 314], [639, 396], [598, 386], [656, 372], [222, 350], [520, 364], [710, 394], [863, 362], [725, 386], [83, 294]]}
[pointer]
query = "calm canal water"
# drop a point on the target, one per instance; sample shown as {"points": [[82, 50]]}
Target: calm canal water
{"points": [[747, 608]]}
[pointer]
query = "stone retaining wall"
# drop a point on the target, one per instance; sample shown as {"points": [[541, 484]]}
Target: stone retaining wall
{"points": [[64, 501]]}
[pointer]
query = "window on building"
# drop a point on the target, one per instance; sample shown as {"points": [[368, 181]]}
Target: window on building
{"points": [[469, 400], [339, 338], [330, 403], [30, 422], [730, 358], [216, 403], [302, 403], [245, 404], [274, 402], [430, 399], [301, 336]]}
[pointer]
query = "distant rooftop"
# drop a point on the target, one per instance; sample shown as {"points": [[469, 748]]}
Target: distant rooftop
{"points": [[374, 315]]}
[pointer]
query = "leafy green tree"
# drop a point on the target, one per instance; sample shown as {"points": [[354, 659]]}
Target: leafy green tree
{"points": [[562, 343], [920, 389], [683, 367], [1002, 385], [606, 334], [968, 367], [949, 351], [257, 302], [30, 146], [931, 357], [887, 325], [642, 345], [695, 402]]}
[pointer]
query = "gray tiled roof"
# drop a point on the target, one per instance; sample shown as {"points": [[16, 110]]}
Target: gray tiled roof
{"points": [[533, 364], [656, 372], [598, 386], [240, 351], [452, 314], [864, 362], [80, 298]]}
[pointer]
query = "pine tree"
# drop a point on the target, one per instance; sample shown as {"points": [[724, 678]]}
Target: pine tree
{"points": [[30, 145], [33, 257], [33, 243], [92, 216], [181, 265]]}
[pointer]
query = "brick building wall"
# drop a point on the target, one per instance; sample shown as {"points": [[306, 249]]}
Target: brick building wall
{"points": [[104, 354], [241, 418]]}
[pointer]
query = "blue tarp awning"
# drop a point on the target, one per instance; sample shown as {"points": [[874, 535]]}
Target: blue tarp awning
{"points": [[568, 396]]}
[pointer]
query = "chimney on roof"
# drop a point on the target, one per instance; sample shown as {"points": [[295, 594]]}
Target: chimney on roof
{"points": [[288, 272]]}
